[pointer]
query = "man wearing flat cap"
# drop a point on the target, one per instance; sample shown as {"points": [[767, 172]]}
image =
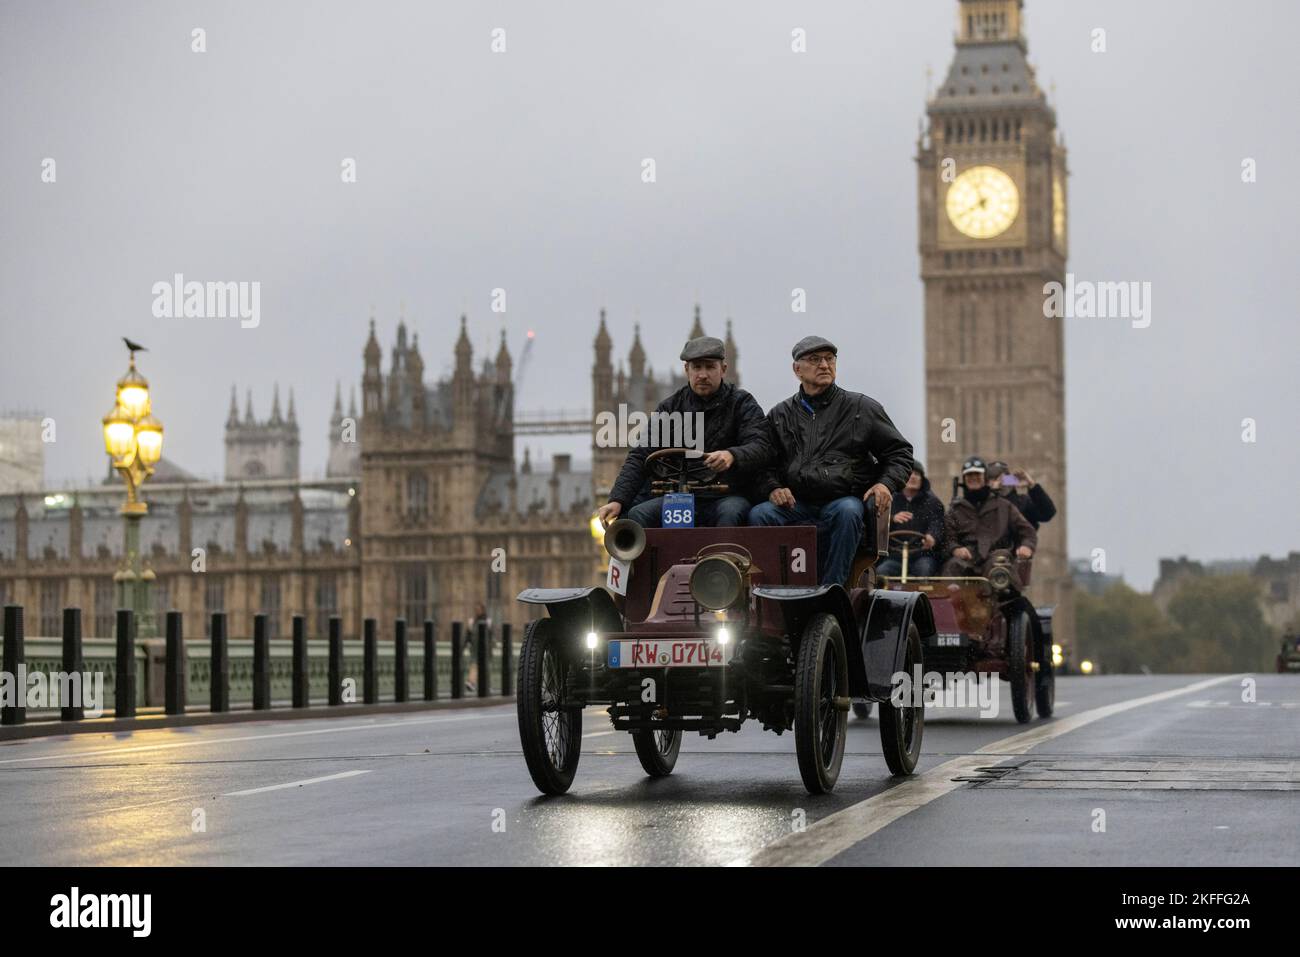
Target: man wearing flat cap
{"points": [[834, 449], [734, 444]]}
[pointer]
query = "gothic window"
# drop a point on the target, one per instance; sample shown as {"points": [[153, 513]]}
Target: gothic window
{"points": [[51, 608], [162, 598], [413, 593], [1011, 422], [214, 600], [417, 496], [1017, 131], [998, 446], [254, 469], [104, 609], [327, 602], [271, 605]]}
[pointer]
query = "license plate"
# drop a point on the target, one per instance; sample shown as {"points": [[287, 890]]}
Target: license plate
{"points": [[677, 510], [668, 653], [947, 641]]}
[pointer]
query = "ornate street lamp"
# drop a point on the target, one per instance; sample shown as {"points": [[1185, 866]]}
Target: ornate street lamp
{"points": [[133, 440]]}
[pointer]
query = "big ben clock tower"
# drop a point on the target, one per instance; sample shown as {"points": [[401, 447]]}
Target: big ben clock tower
{"points": [[991, 176]]}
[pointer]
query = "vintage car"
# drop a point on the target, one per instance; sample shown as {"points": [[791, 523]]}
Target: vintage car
{"points": [[1288, 659], [703, 629], [986, 625]]}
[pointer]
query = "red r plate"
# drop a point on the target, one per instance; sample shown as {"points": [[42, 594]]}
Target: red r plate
{"points": [[670, 653]]}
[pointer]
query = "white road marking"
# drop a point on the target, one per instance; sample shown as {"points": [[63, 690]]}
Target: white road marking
{"points": [[840, 831], [63, 755], [294, 784]]}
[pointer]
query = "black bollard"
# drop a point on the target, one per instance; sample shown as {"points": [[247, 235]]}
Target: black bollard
{"points": [[124, 680], [430, 660], [219, 686], [401, 688], [457, 675], [174, 669], [336, 660], [72, 663], [506, 675], [301, 683], [484, 658], [370, 678], [14, 662], [261, 665]]}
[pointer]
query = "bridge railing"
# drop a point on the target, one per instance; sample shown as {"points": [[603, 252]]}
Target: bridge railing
{"points": [[178, 675]]}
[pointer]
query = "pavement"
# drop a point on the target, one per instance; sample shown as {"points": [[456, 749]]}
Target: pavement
{"points": [[1132, 770]]}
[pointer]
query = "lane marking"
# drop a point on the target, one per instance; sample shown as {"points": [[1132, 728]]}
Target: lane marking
{"points": [[836, 833], [294, 784], [253, 737]]}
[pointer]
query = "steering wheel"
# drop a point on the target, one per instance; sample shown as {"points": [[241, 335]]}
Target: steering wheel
{"points": [[906, 537], [675, 465]]}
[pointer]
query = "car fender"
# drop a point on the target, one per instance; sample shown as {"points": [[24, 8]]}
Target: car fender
{"points": [[799, 604], [884, 635], [577, 611]]}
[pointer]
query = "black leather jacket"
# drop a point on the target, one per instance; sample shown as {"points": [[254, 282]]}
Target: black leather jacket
{"points": [[842, 447], [733, 422]]}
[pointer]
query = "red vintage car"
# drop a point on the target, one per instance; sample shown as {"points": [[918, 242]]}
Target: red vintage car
{"points": [[716, 627]]}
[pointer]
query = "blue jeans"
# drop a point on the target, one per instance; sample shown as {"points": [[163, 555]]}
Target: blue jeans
{"points": [[839, 531], [920, 566], [728, 511]]}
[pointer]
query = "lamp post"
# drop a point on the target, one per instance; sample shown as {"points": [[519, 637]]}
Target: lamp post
{"points": [[133, 440]]}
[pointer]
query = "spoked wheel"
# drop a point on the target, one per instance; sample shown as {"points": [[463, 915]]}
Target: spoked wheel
{"points": [[658, 751], [901, 728], [1045, 686], [821, 713], [551, 735], [1020, 668], [862, 709]]}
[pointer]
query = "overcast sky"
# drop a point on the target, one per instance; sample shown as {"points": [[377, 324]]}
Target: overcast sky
{"points": [[521, 170]]}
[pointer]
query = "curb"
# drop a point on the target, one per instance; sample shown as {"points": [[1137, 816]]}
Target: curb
{"points": [[48, 729]]}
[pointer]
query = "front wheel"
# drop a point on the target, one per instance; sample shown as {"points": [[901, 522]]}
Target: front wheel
{"points": [[549, 732], [901, 728], [657, 751], [821, 713], [1020, 667]]}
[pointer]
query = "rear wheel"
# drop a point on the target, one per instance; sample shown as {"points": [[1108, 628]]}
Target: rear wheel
{"points": [[1020, 667], [821, 687], [657, 751], [901, 729], [550, 734]]}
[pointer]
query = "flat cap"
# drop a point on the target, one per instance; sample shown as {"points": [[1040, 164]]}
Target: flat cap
{"points": [[704, 347], [973, 464], [812, 344]]}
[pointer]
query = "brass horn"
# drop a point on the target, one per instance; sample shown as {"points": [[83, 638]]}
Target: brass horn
{"points": [[625, 540]]}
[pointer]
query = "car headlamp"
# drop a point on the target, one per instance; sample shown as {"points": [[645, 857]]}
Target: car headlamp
{"points": [[1000, 577], [717, 582]]}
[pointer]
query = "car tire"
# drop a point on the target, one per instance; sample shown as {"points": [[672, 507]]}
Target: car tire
{"points": [[820, 723], [657, 751], [551, 736], [862, 709], [1045, 689], [1019, 670], [901, 729]]}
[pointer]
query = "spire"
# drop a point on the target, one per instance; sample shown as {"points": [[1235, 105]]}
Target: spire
{"points": [[504, 363], [293, 416], [464, 351], [233, 418], [603, 342], [636, 357], [733, 356], [338, 401], [248, 409], [352, 403], [275, 404], [697, 329], [414, 363], [372, 352]]}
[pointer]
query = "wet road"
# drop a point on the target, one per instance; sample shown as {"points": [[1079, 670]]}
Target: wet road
{"points": [[1134, 770]]}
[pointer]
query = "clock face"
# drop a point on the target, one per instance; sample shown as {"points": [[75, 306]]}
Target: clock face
{"points": [[983, 202], [1058, 211]]}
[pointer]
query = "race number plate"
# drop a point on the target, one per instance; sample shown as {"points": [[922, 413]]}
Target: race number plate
{"points": [[678, 510], [668, 653]]}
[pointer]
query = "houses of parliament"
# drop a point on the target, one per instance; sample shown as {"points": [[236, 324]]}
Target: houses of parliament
{"points": [[408, 518]]}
